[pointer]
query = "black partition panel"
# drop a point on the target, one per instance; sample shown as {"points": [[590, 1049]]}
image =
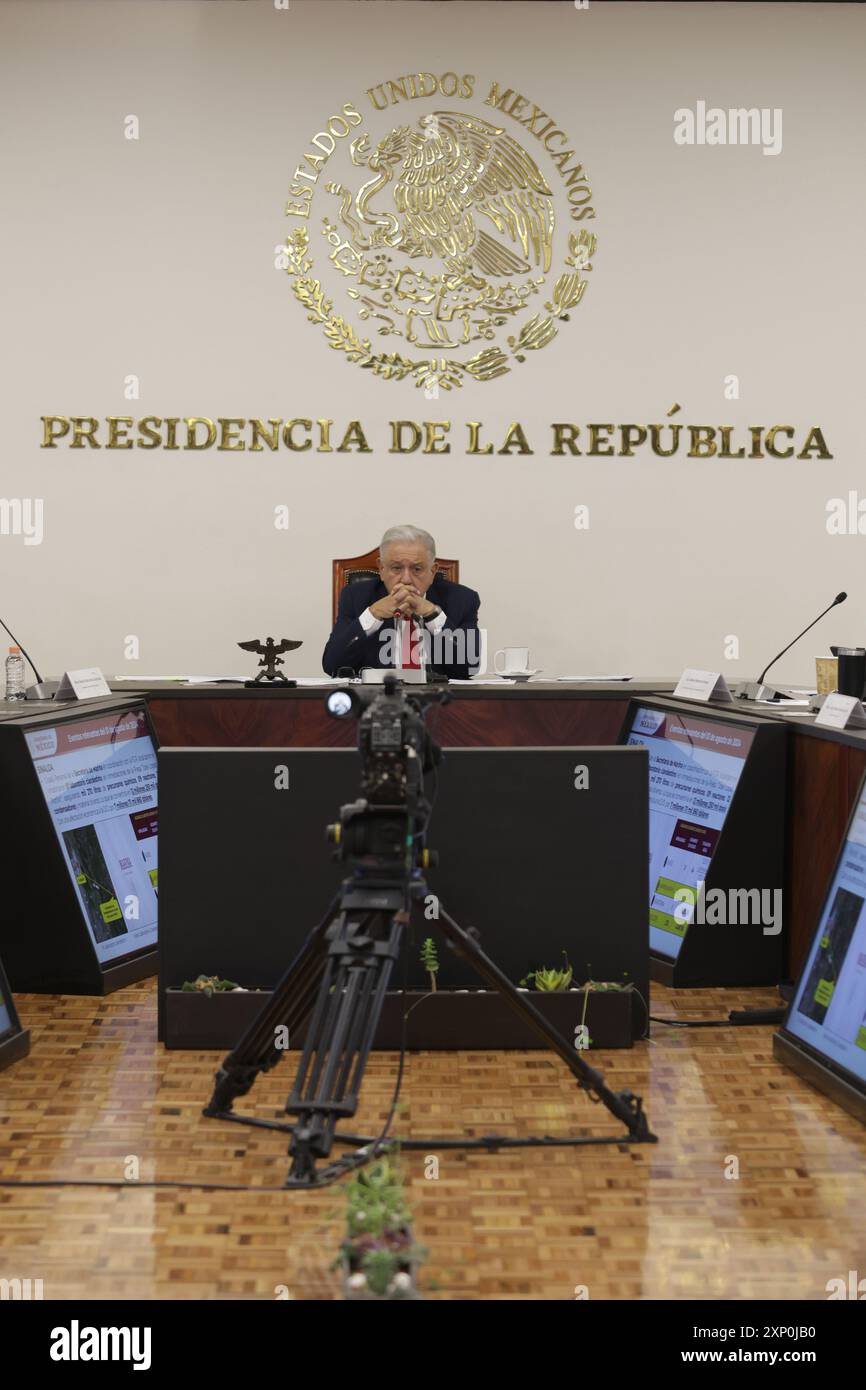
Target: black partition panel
{"points": [[714, 900], [542, 850], [79, 855], [823, 1037], [246, 870], [14, 1040]]}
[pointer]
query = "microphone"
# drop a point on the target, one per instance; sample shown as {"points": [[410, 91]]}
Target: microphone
{"points": [[756, 690], [42, 690]]}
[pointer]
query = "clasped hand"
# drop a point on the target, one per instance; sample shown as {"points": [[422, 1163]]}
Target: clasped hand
{"points": [[401, 602]]}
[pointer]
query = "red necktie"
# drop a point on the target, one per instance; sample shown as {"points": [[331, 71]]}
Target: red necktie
{"points": [[409, 651]]}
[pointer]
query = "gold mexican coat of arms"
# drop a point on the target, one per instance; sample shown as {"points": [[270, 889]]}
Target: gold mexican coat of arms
{"points": [[439, 252]]}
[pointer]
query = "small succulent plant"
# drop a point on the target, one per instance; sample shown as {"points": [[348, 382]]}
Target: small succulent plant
{"points": [[208, 985], [430, 960], [551, 981]]}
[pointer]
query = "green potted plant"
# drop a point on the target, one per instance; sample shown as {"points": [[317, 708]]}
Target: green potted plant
{"points": [[378, 1257], [591, 986], [551, 981], [430, 961], [207, 1012], [209, 985]]}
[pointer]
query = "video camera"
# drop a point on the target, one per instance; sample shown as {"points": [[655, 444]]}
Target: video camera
{"points": [[383, 831]]}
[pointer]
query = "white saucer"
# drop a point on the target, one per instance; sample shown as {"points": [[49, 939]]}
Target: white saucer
{"points": [[520, 675]]}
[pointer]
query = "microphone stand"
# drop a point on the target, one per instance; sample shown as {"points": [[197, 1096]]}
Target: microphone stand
{"points": [[756, 690], [42, 690]]}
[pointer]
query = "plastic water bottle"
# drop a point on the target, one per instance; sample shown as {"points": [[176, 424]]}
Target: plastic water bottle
{"points": [[14, 674]]}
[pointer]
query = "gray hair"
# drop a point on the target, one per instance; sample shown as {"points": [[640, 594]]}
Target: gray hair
{"points": [[409, 533]]}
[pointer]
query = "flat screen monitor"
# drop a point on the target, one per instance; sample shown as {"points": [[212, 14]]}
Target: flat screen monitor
{"points": [[97, 773], [695, 765], [828, 1008]]}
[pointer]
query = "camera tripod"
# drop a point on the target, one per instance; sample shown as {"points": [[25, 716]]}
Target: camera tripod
{"points": [[338, 982]]}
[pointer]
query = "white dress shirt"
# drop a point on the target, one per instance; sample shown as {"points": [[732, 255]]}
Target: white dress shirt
{"points": [[371, 624]]}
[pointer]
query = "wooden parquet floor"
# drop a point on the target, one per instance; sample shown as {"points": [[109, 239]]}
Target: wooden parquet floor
{"points": [[98, 1095]]}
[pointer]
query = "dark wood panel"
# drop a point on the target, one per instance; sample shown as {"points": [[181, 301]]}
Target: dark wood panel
{"points": [[255, 723], [304, 723], [521, 723], [823, 779], [856, 768]]}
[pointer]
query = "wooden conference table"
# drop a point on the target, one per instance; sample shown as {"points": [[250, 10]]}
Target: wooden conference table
{"points": [[824, 766]]}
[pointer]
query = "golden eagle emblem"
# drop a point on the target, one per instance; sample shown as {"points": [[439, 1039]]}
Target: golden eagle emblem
{"points": [[446, 243], [449, 174]]}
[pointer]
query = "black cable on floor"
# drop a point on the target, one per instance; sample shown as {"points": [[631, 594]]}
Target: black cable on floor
{"points": [[114, 1182], [691, 1023], [737, 1018]]}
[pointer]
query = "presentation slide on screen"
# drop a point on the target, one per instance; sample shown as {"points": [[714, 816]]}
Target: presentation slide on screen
{"points": [[829, 1010], [694, 768], [98, 776]]}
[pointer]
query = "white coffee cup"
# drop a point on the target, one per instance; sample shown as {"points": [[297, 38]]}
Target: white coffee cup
{"points": [[516, 659]]}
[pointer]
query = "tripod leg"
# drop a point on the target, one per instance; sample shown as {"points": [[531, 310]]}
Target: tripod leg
{"points": [[288, 1007], [623, 1104], [341, 1033]]}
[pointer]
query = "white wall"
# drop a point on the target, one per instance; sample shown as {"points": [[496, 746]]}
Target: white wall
{"points": [[155, 257]]}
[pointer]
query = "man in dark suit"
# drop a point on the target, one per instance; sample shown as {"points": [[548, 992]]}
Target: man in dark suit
{"points": [[407, 616]]}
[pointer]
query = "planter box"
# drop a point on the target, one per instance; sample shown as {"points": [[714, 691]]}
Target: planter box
{"points": [[446, 1021], [481, 1019], [192, 1020]]}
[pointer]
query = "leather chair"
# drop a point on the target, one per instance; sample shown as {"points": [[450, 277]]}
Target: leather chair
{"points": [[358, 567]]}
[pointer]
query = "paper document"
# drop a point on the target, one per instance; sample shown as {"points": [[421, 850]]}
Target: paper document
{"points": [[183, 680]]}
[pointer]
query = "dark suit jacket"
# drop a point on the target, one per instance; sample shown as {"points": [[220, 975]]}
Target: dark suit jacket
{"points": [[350, 646]]}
